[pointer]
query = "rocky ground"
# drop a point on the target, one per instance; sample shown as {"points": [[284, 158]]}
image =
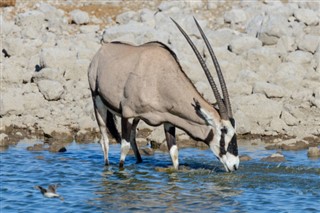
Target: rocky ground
{"points": [[268, 50]]}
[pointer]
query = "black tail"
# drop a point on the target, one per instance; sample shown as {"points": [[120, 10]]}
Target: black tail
{"points": [[111, 125]]}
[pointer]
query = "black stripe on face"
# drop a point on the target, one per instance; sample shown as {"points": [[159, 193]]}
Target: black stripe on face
{"points": [[222, 142], [233, 146]]}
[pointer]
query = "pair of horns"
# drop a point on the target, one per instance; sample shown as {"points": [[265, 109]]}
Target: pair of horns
{"points": [[223, 104]]}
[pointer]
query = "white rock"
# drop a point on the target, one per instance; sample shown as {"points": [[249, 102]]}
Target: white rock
{"points": [[166, 5], [243, 123], [13, 45], [239, 88], [89, 28], [299, 57], [254, 25], [6, 26], [257, 107], [148, 17], [79, 17], [221, 37], [269, 89], [135, 29], [288, 75], [235, 16], [33, 101], [309, 43], [126, 17], [277, 125], [273, 27], [50, 89], [242, 44], [48, 74], [11, 102], [157, 135], [56, 57], [32, 19], [306, 16], [289, 119], [286, 44]]}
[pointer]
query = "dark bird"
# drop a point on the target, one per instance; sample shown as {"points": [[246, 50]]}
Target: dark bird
{"points": [[51, 192]]}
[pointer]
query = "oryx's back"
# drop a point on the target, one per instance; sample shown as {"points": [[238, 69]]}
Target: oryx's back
{"points": [[118, 69]]}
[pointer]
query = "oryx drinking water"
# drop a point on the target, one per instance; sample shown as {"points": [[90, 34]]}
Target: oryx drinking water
{"points": [[147, 82]]}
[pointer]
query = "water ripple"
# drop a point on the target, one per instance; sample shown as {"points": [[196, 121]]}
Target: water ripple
{"points": [[200, 184]]}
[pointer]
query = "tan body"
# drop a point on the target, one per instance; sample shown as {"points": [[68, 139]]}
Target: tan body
{"points": [[150, 86]]}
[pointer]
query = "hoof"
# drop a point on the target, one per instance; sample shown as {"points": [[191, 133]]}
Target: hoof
{"points": [[121, 164]]}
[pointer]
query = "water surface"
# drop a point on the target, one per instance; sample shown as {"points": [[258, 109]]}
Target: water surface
{"points": [[201, 184]]}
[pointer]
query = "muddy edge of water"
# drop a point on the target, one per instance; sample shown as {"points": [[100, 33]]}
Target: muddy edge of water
{"points": [[58, 142]]}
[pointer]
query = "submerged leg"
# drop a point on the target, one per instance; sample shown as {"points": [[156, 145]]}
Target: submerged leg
{"points": [[125, 141], [101, 115], [171, 142], [133, 139]]}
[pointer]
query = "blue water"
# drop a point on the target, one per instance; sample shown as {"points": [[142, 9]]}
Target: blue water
{"points": [[200, 186]]}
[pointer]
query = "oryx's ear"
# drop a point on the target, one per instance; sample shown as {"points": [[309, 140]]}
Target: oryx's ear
{"points": [[202, 113]]}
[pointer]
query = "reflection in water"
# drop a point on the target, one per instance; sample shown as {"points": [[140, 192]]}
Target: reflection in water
{"points": [[200, 185]]}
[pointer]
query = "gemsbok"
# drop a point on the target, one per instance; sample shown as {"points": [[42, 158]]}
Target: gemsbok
{"points": [[147, 82]]}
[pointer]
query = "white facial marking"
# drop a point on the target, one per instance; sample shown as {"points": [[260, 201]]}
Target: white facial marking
{"points": [[207, 117], [174, 156], [229, 161]]}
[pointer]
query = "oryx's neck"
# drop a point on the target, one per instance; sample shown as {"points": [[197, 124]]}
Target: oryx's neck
{"points": [[193, 124]]}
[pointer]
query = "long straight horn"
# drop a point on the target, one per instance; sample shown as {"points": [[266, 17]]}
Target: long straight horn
{"points": [[222, 107], [219, 73]]}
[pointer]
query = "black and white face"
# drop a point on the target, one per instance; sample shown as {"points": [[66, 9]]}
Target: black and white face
{"points": [[225, 146]]}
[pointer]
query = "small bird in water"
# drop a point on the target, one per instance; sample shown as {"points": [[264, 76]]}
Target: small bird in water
{"points": [[51, 192]]}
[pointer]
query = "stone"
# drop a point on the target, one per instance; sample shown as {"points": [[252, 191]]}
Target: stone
{"points": [[147, 17], [50, 89], [3, 138], [132, 30], [289, 119], [286, 44], [309, 43], [31, 23], [126, 17], [89, 28], [307, 16], [157, 136], [36, 148], [235, 16], [243, 125], [242, 44], [288, 75], [79, 17], [56, 57], [11, 102], [273, 27], [147, 151], [276, 157], [313, 152], [299, 57], [245, 158], [258, 107], [269, 89], [220, 37], [254, 25]]}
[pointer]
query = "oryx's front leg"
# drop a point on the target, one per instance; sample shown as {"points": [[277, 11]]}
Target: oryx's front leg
{"points": [[128, 138], [171, 142]]}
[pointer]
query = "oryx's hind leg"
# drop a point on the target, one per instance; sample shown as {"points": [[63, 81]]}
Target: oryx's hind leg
{"points": [[128, 134], [133, 139], [101, 113], [170, 132]]}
